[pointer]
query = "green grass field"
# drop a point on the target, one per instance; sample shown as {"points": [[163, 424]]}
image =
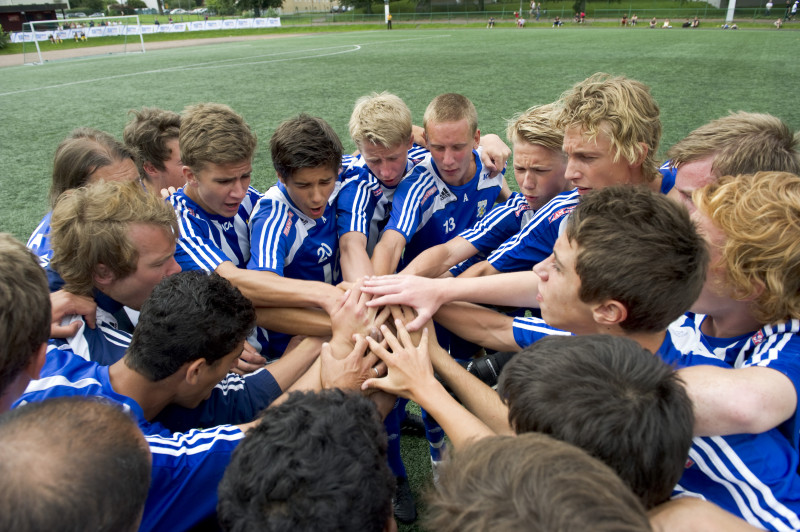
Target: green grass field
{"points": [[695, 76]]}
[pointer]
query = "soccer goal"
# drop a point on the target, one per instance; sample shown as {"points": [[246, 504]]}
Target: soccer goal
{"points": [[41, 39]]}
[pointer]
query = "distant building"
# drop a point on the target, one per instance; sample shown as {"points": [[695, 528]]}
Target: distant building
{"points": [[308, 6], [13, 14]]}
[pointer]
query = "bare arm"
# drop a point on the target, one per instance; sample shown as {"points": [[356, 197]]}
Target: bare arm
{"points": [[388, 252], [295, 362], [410, 375], [689, 514], [435, 261], [305, 321], [479, 325], [481, 269], [518, 289], [353, 256], [494, 155], [268, 289], [734, 401], [65, 303]]}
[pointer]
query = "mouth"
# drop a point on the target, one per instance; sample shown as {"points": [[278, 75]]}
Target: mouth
{"points": [[583, 190], [316, 211], [232, 206]]}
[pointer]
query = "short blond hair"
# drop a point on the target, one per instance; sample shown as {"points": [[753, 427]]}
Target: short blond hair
{"points": [[380, 118], [741, 143], [451, 107], [214, 133], [90, 226], [620, 107], [535, 126], [760, 217]]}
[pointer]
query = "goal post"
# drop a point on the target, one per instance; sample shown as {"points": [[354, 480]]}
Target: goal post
{"points": [[54, 32]]}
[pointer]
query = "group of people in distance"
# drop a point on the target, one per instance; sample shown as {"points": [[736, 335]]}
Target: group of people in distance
{"points": [[182, 352]]}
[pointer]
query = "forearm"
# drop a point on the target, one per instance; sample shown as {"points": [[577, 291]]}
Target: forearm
{"points": [[478, 325], [353, 258], [477, 397], [517, 289], [295, 362], [268, 289], [305, 321], [435, 261], [689, 514], [388, 252]]}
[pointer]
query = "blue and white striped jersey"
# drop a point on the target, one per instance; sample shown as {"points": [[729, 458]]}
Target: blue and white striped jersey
{"points": [[427, 211], [207, 240], [535, 241], [39, 242], [364, 203]]}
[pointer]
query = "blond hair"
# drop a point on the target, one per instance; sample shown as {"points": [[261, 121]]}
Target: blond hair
{"points": [[451, 107], [620, 107], [760, 217], [741, 143], [535, 126], [90, 226], [380, 118], [214, 133]]}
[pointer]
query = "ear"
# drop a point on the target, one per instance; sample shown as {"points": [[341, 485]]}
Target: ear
{"points": [[477, 139], [149, 169], [189, 176], [193, 370], [36, 363], [281, 177], [609, 313], [640, 160], [103, 276]]}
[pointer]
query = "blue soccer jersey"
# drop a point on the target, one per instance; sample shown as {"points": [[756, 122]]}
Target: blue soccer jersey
{"points": [[364, 202], [775, 346], [427, 211], [207, 240], [39, 242], [535, 241]]}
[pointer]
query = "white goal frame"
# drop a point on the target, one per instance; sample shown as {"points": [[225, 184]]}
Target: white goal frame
{"points": [[83, 21]]}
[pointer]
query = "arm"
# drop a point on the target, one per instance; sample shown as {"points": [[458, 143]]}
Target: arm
{"points": [[481, 269], [305, 321], [353, 258], [518, 289], [435, 261], [479, 325], [388, 252], [689, 514], [410, 375], [295, 361], [494, 155], [65, 304], [505, 193], [268, 289], [747, 400]]}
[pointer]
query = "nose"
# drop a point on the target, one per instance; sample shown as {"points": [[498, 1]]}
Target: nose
{"points": [[541, 270], [571, 171], [317, 196], [529, 181], [239, 189], [172, 267], [449, 157]]}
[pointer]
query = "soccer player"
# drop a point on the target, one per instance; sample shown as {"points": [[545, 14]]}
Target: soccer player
{"points": [[611, 135], [72, 464], [214, 208], [539, 166], [331, 475], [446, 193], [154, 133], [85, 156], [113, 242], [24, 319], [381, 128], [531, 482], [178, 360]]}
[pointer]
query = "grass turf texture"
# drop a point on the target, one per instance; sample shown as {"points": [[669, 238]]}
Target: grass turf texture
{"points": [[695, 76]]}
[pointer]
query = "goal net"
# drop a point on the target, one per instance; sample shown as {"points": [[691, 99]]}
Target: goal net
{"points": [[44, 40]]}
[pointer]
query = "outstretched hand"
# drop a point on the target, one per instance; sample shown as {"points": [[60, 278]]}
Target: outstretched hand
{"points": [[350, 372], [421, 293]]}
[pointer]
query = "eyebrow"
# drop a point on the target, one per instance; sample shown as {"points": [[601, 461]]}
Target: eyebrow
{"points": [[555, 259]]}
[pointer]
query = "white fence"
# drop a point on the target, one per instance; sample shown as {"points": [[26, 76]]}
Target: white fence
{"points": [[145, 29]]}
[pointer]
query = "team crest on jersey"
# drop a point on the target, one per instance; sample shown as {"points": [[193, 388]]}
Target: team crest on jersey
{"points": [[227, 226], [689, 463], [481, 208], [190, 211], [563, 211], [377, 192], [288, 225], [758, 338], [324, 252], [522, 208]]}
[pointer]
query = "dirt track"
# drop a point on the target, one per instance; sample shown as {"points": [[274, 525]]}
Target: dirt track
{"points": [[17, 59]]}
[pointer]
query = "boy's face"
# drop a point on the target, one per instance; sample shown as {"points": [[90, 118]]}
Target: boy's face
{"points": [[172, 175], [715, 296], [590, 162], [539, 172], [209, 376], [156, 249], [310, 189], [558, 290], [451, 145], [387, 164], [219, 188], [690, 177]]}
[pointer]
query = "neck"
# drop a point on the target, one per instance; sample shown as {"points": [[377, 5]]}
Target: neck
{"points": [[731, 322], [13, 391], [650, 341], [153, 397]]}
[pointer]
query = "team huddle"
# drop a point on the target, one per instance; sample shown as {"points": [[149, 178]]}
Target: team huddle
{"points": [[616, 346]]}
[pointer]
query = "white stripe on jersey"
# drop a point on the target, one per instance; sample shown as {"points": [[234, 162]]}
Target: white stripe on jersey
{"points": [[46, 383], [192, 442], [726, 468], [414, 199], [269, 237]]}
